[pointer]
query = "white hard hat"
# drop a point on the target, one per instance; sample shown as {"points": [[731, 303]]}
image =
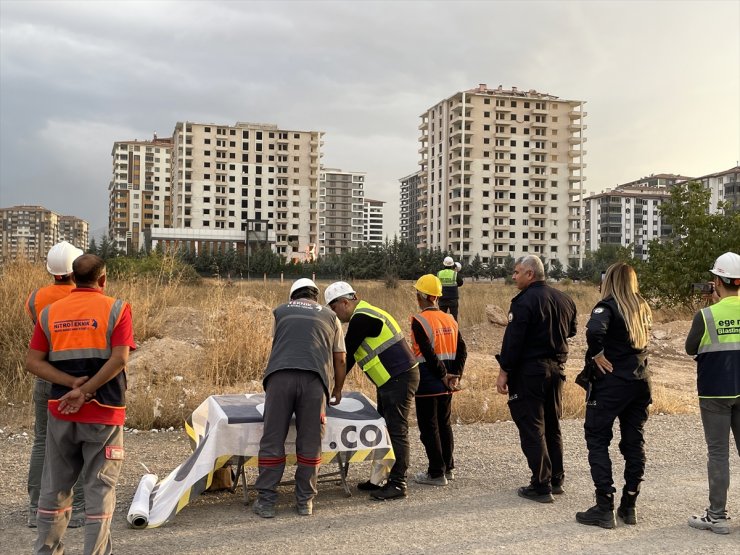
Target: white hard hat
{"points": [[336, 290], [727, 266], [300, 284], [458, 266], [448, 261], [60, 258]]}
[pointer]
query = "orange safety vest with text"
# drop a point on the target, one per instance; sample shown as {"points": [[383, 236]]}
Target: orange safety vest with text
{"points": [[78, 329]]}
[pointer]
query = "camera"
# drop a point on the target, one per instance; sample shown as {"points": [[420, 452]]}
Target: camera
{"points": [[705, 287]]}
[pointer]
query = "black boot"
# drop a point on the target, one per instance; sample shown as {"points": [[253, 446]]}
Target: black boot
{"points": [[626, 510], [601, 514]]}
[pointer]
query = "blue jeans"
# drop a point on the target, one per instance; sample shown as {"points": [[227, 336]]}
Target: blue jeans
{"points": [[719, 416], [41, 394]]}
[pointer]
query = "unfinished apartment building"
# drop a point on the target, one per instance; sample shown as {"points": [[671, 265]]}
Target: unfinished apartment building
{"points": [[139, 191], [341, 201], [502, 173], [248, 179]]}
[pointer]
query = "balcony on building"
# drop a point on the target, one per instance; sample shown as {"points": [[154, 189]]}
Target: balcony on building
{"points": [[577, 114], [424, 123], [576, 152], [577, 140], [577, 127]]}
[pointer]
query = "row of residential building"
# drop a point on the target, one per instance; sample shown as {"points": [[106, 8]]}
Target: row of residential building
{"points": [[502, 173], [219, 186], [30, 231]]}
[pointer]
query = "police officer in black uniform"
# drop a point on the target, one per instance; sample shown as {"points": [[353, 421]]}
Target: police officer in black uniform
{"points": [[532, 360]]}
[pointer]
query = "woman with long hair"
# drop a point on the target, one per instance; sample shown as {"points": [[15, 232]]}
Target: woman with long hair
{"points": [[617, 335]]}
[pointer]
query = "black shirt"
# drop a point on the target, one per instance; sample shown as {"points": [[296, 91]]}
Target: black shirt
{"points": [[607, 331], [541, 318]]}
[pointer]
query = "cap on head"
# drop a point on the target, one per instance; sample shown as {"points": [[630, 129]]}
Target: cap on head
{"points": [[429, 284], [448, 261], [60, 257], [458, 266], [336, 290], [300, 284], [727, 267]]}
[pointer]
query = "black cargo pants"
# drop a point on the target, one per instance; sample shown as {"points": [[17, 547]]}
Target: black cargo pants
{"points": [[535, 403], [611, 398]]}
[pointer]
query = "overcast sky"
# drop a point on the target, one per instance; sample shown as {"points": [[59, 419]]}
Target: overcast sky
{"points": [[661, 81]]}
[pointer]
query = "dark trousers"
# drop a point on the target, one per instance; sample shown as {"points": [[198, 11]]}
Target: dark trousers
{"points": [[612, 398], [535, 403], [287, 392], [449, 306], [435, 431], [394, 404]]}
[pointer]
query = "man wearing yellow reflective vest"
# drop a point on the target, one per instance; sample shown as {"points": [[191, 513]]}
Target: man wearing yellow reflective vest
{"points": [[376, 341], [440, 350], [714, 338], [451, 280]]}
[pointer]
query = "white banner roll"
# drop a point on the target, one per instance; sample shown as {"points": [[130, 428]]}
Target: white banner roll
{"points": [[138, 514]]}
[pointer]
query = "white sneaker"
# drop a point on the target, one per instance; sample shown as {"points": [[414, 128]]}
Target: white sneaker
{"points": [[425, 478], [450, 475], [706, 522]]}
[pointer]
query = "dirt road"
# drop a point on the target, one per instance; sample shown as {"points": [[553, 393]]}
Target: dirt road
{"points": [[478, 513]]}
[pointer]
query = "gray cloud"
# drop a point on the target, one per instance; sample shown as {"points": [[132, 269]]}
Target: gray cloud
{"points": [[661, 80]]}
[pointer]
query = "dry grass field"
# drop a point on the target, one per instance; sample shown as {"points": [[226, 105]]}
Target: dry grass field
{"points": [[214, 337]]}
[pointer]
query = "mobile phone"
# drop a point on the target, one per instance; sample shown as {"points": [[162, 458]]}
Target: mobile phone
{"points": [[705, 287]]}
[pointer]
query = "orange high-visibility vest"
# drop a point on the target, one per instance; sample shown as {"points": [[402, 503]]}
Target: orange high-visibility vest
{"points": [[441, 330], [44, 296], [78, 329]]}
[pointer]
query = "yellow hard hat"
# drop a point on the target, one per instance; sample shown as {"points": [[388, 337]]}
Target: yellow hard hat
{"points": [[429, 284]]}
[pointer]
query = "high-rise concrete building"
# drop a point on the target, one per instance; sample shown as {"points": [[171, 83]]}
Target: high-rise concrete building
{"points": [[248, 177], [410, 207], [74, 230], [724, 186], [629, 214], [373, 229], [30, 231], [502, 174], [341, 210], [139, 191]]}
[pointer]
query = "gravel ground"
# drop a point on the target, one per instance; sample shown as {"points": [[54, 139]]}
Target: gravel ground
{"points": [[477, 513]]}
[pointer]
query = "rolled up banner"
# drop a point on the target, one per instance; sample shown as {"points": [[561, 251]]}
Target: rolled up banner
{"points": [[138, 514]]}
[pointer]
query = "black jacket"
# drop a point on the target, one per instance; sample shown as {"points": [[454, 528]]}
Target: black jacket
{"points": [[607, 331], [541, 318]]}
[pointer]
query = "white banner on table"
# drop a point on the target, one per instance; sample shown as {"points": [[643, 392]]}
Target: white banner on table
{"points": [[228, 425]]}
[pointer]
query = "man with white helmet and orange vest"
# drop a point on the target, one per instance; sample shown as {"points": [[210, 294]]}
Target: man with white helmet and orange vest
{"points": [[376, 342], [81, 344], [440, 351], [714, 338], [451, 280], [59, 265], [307, 352]]}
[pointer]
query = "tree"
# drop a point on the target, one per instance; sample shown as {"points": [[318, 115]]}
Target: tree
{"points": [[92, 247], [476, 267], [696, 239], [107, 249], [556, 270]]}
